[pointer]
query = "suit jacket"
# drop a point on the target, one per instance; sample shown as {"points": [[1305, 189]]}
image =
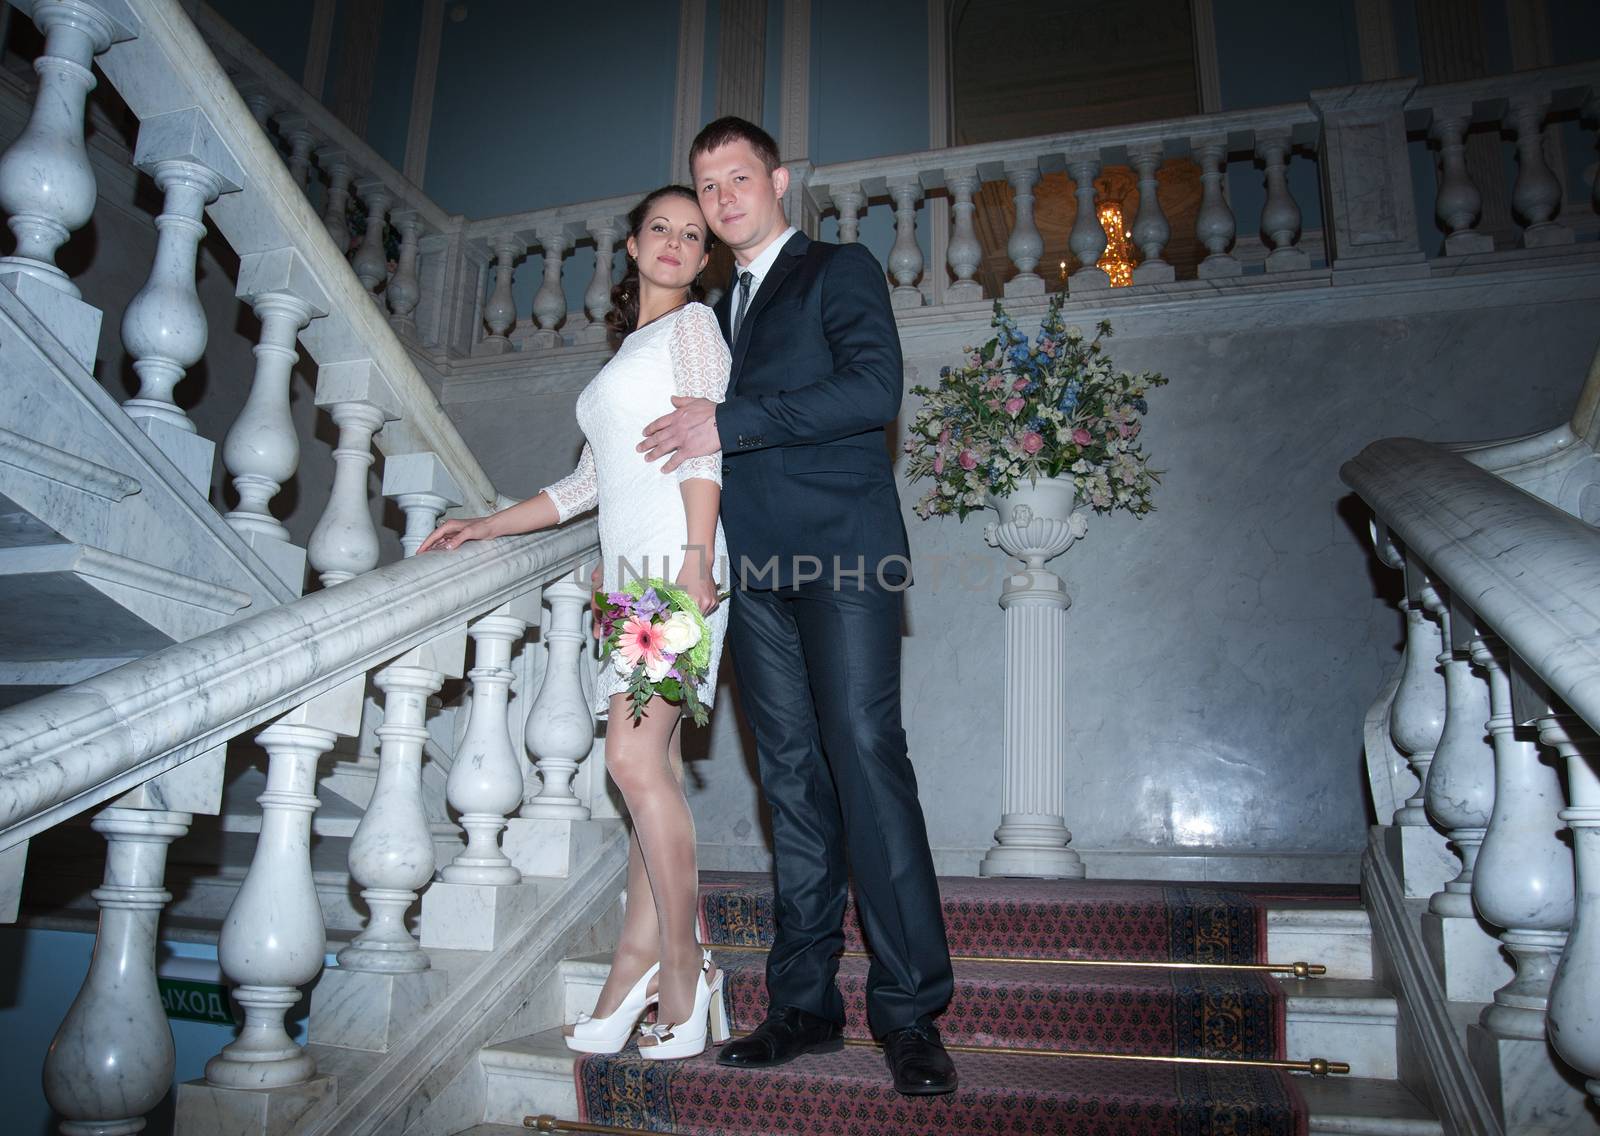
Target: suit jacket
{"points": [[817, 375]]}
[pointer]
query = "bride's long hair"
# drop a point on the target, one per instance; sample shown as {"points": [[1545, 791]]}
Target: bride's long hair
{"points": [[624, 314]]}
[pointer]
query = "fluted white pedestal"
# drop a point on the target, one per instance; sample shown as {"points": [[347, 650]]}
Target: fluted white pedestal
{"points": [[1035, 524]]}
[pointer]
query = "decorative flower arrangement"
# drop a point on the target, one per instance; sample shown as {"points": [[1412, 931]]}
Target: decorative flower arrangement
{"points": [[1015, 410], [657, 639]]}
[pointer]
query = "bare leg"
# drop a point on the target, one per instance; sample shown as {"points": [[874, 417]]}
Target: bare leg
{"points": [[639, 945], [640, 759]]}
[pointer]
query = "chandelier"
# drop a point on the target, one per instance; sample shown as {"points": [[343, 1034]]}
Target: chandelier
{"points": [[1118, 260]]}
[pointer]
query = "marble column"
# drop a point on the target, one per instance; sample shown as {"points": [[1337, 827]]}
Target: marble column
{"points": [[1574, 1011], [964, 252], [296, 131], [1280, 215], [1536, 196], [604, 231], [1522, 881], [1151, 230], [391, 855], [423, 488], [560, 729], [370, 262], [47, 185], [1033, 839], [112, 1058], [1459, 795], [1214, 224], [344, 543], [1026, 245], [1088, 238], [848, 201], [1416, 722], [1459, 203], [905, 258], [337, 163], [550, 301], [485, 783], [500, 309], [404, 291]]}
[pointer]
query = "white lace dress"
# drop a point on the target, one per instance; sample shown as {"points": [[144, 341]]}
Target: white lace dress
{"points": [[643, 529]]}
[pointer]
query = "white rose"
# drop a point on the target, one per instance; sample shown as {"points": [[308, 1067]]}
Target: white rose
{"points": [[656, 669], [620, 664], [680, 632]]}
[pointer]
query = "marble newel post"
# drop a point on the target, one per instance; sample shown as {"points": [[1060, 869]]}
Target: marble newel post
{"points": [[1036, 523]]}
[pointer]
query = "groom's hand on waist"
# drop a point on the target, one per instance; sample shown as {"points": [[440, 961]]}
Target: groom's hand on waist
{"points": [[690, 431]]}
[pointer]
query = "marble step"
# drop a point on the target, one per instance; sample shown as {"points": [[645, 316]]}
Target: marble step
{"points": [[533, 1075], [1340, 1019]]}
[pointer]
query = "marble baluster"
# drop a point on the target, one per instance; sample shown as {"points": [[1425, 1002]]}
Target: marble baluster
{"points": [[1422, 858], [1087, 239], [1214, 224], [560, 728], [1459, 203], [1459, 795], [1389, 777], [1536, 195], [550, 301], [334, 218], [273, 939], [1522, 882], [1025, 245], [905, 258], [260, 102], [1280, 215], [345, 541], [423, 488], [296, 130], [1591, 112], [262, 450], [500, 309], [849, 200], [112, 1058], [1417, 721], [404, 291], [485, 783], [164, 325], [370, 262], [1151, 230], [1574, 1011], [391, 854], [47, 186], [604, 231], [963, 253]]}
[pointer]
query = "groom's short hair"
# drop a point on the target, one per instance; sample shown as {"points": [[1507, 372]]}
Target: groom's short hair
{"points": [[732, 128]]}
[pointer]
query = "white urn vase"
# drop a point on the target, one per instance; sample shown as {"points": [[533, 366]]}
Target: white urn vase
{"points": [[1038, 521]]}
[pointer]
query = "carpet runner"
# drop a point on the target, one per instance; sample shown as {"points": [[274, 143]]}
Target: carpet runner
{"points": [[1096, 1009]]}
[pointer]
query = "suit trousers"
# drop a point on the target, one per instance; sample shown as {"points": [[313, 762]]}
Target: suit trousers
{"points": [[819, 678]]}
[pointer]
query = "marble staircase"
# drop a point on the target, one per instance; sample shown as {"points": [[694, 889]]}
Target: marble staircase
{"points": [[1347, 1015]]}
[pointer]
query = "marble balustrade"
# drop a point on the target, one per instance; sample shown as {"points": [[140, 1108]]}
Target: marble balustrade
{"points": [[1503, 653]]}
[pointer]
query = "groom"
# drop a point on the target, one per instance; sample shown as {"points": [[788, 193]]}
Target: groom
{"points": [[819, 548]]}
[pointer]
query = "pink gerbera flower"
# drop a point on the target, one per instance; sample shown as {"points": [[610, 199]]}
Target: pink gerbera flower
{"points": [[640, 641]]}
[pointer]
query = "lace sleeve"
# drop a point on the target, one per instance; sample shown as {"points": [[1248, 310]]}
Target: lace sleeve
{"points": [[577, 492], [700, 365]]}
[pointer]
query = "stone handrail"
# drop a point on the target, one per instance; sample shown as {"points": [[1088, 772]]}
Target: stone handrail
{"points": [[1526, 568], [168, 67], [66, 751]]}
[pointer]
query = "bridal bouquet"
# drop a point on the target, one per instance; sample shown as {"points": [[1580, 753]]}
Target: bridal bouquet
{"points": [[658, 641], [1055, 408]]}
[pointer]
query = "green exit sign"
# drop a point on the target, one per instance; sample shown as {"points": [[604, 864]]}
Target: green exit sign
{"points": [[195, 1001]]}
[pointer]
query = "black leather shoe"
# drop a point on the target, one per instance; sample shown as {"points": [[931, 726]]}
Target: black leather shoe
{"points": [[917, 1061], [786, 1034]]}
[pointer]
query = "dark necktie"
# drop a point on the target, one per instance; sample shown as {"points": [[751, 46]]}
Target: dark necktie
{"points": [[744, 301]]}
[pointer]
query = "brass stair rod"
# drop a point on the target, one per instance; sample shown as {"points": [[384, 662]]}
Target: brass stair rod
{"points": [[1316, 1066], [1297, 969]]}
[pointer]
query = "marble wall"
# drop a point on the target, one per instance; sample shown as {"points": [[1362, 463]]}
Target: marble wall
{"points": [[1227, 646]]}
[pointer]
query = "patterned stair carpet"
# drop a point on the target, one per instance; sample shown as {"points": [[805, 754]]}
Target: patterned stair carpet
{"points": [[1094, 1009]]}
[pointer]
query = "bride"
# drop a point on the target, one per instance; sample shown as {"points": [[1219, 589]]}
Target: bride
{"points": [[667, 344]]}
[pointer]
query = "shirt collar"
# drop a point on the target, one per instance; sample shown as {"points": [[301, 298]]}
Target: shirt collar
{"points": [[761, 265]]}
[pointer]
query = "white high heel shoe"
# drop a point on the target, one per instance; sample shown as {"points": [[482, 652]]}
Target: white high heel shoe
{"points": [[610, 1033], [686, 1040]]}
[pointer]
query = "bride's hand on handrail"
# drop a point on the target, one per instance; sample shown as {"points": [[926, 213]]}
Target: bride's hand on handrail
{"points": [[453, 534]]}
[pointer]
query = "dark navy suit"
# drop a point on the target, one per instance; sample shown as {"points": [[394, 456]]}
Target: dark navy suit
{"points": [[807, 480]]}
